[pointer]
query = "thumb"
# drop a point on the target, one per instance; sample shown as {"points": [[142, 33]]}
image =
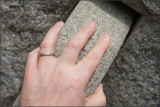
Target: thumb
{"points": [[97, 98]]}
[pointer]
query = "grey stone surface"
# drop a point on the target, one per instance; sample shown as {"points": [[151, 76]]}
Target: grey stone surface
{"points": [[132, 80], [23, 25], [134, 77], [111, 18]]}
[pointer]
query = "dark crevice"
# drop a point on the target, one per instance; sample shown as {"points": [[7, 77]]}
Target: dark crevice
{"points": [[136, 17], [70, 11]]}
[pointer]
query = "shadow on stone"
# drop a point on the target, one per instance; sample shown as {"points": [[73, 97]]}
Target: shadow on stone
{"points": [[118, 6]]}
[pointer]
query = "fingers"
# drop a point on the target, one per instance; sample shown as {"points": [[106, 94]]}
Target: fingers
{"points": [[97, 98], [75, 45], [32, 60], [49, 41], [90, 62]]}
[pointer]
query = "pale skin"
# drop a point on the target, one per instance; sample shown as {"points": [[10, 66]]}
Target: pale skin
{"points": [[50, 81]]}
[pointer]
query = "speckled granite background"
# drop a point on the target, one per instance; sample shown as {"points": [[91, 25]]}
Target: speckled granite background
{"points": [[134, 77], [24, 24], [132, 80]]}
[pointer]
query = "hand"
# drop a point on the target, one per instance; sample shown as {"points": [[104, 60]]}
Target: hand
{"points": [[51, 81]]}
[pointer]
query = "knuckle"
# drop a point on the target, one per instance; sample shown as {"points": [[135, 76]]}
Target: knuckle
{"points": [[45, 45], [73, 45], [92, 56]]}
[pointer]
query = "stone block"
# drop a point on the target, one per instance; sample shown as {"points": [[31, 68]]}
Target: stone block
{"points": [[111, 18]]}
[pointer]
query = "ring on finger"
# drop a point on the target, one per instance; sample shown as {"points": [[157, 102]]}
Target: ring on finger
{"points": [[47, 54]]}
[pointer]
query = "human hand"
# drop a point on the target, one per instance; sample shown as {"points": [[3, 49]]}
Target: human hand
{"points": [[50, 81]]}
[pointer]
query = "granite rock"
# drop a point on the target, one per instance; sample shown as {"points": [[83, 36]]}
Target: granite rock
{"points": [[134, 77], [23, 26]]}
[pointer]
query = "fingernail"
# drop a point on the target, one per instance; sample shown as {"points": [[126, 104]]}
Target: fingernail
{"points": [[92, 24], [106, 38]]}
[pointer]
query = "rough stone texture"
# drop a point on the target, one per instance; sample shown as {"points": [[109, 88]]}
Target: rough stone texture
{"points": [[23, 25], [112, 18], [144, 7], [134, 77]]}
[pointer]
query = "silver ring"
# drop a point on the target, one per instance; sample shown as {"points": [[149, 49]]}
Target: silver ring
{"points": [[47, 54]]}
